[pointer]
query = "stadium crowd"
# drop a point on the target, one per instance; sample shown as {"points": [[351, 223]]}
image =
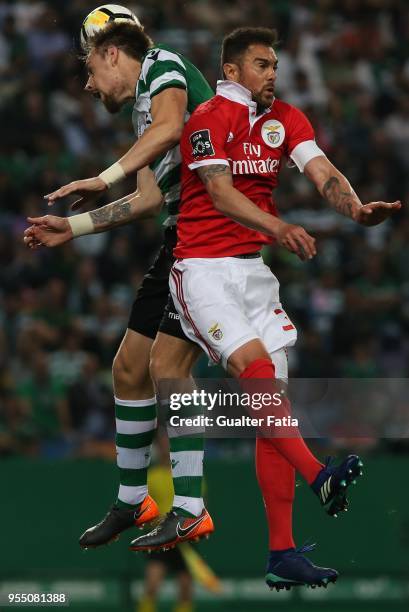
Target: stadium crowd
{"points": [[63, 312]]}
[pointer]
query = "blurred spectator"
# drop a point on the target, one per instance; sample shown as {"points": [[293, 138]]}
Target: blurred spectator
{"points": [[44, 399], [47, 42], [68, 361], [91, 402]]}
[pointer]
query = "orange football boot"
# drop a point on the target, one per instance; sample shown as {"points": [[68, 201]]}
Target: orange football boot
{"points": [[174, 529]]}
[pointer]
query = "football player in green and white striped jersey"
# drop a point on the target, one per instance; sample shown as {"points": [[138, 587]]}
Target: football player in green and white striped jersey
{"points": [[123, 65]]}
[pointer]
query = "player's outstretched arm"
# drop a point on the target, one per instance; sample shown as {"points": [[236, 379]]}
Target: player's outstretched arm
{"points": [[168, 111], [337, 191], [232, 203], [168, 116], [53, 231]]}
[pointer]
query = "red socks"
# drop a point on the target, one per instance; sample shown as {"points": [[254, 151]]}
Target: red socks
{"points": [[276, 479], [276, 462], [293, 449], [260, 368]]}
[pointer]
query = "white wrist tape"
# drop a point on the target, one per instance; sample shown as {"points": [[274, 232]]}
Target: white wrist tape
{"points": [[81, 224], [113, 174]]}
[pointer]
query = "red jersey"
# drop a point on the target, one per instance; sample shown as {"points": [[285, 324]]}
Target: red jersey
{"points": [[227, 130]]}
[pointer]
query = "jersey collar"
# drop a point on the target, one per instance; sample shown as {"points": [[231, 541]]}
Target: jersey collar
{"points": [[238, 93]]}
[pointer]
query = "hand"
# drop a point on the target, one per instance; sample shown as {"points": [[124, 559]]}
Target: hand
{"points": [[376, 212], [296, 240], [50, 231], [88, 189]]}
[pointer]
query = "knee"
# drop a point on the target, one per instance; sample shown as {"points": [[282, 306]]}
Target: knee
{"points": [[243, 359], [164, 364], [129, 374], [159, 366], [121, 367]]}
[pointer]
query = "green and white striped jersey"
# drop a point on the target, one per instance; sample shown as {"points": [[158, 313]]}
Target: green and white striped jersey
{"points": [[163, 68]]}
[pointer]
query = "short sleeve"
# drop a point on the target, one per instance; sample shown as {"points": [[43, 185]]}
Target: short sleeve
{"points": [[203, 140], [299, 129], [163, 70], [301, 145]]}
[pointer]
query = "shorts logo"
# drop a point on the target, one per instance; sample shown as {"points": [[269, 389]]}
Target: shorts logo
{"points": [[201, 144], [215, 332], [173, 315], [273, 133]]}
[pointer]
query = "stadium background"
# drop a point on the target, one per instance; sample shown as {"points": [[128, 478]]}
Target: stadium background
{"points": [[63, 312]]}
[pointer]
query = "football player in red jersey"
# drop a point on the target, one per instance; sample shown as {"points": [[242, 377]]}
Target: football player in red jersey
{"points": [[233, 147]]}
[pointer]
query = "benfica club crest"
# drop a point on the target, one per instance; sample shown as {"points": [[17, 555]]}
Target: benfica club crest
{"points": [[273, 133]]}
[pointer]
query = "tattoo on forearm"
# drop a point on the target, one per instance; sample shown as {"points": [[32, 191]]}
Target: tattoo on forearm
{"points": [[342, 201], [206, 173], [111, 215]]}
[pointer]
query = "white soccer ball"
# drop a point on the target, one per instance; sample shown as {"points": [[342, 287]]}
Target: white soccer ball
{"points": [[101, 16]]}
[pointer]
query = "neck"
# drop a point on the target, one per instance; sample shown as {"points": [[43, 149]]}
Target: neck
{"points": [[260, 108]]}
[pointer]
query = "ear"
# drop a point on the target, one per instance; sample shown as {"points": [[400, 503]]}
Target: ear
{"points": [[112, 53], [231, 72]]}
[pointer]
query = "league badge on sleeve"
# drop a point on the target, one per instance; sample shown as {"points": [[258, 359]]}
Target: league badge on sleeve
{"points": [[201, 144], [273, 133]]}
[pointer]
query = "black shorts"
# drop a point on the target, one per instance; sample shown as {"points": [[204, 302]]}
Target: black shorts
{"points": [[153, 309]]}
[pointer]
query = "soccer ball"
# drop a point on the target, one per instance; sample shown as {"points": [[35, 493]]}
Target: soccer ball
{"points": [[102, 16]]}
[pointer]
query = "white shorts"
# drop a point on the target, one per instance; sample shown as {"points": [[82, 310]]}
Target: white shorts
{"points": [[224, 302]]}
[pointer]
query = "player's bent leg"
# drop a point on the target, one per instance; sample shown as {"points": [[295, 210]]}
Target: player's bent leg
{"points": [[293, 449], [275, 457], [330, 483], [135, 412], [172, 358], [188, 520]]}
